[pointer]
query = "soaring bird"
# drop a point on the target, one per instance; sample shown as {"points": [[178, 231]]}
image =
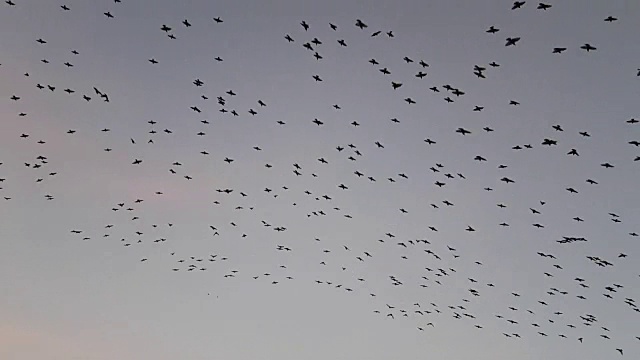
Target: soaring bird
{"points": [[512, 41], [517, 4], [587, 47]]}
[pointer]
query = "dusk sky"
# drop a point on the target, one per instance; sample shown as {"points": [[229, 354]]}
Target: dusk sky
{"points": [[497, 217]]}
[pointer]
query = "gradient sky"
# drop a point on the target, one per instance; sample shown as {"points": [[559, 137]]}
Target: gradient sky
{"points": [[65, 298]]}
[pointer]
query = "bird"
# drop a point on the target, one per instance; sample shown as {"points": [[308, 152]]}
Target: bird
{"points": [[543, 6], [517, 5], [512, 41], [588, 47]]}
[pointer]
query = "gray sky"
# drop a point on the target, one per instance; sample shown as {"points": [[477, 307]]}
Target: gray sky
{"points": [[62, 297]]}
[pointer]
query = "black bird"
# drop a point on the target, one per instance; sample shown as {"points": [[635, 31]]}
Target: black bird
{"points": [[308, 46], [517, 4], [512, 41], [587, 47], [360, 24]]}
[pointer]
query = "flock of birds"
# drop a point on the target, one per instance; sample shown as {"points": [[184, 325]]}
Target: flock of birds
{"points": [[439, 254]]}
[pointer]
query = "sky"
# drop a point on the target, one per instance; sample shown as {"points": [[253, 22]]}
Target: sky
{"points": [[80, 280]]}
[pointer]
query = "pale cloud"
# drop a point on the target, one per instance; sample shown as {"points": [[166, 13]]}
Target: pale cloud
{"points": [[20, 342], [17, 343]]}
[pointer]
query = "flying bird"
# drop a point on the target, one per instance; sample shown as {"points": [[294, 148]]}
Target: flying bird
{"points": [[512, 41]]}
